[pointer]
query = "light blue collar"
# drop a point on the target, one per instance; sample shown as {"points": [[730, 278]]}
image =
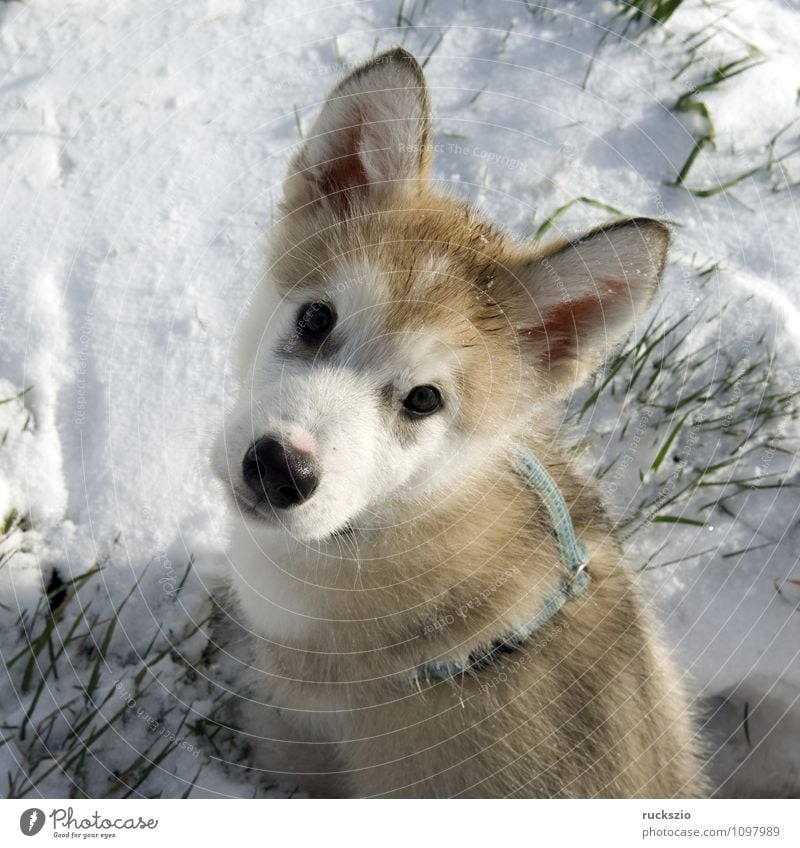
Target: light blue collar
{"points": [[572, 585]]}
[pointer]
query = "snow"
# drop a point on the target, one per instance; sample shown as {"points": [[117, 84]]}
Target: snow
{"points": [[142, 148]]}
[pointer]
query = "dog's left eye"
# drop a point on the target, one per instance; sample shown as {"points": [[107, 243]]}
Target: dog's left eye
{"points": [[315, 321], [423, 400]]}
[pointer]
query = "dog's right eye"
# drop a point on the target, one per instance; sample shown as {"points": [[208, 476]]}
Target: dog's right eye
{"points": [[315, 321]]}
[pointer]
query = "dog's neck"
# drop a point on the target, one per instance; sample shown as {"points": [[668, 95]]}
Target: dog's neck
{"points": [[482, 558], [574, 581]]}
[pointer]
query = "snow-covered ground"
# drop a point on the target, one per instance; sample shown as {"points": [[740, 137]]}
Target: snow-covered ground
{"points": [[142, 147]]}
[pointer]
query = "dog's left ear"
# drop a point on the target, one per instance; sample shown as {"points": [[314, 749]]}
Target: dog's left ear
{"points": [[371, 137], [583, 297]]}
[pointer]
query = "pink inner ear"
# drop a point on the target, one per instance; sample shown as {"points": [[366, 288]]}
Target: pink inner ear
{"points": [[345, 172], [565, 324]]}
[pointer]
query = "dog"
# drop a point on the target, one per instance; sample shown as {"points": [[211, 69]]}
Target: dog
{"points": [[438, 604]]}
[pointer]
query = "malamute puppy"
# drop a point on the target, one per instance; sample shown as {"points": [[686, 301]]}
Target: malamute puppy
{"points": [[438, 604]]}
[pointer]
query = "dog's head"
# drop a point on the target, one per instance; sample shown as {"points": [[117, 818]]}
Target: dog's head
{"points": [[397, 340]]}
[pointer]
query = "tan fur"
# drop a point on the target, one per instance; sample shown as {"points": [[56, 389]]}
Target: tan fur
{"points": [[590, 705]]}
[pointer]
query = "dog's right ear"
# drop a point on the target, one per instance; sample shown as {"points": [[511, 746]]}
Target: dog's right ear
{"points": [[370, 139]]}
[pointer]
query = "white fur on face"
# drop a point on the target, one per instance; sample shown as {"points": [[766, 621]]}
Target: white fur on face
{"points": [[345, 406]]}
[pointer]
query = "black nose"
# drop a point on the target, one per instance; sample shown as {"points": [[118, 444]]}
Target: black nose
{"points": [[284, 476]]}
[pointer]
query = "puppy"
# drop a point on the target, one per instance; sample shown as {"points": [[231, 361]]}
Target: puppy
{"points": [[438, 604]]}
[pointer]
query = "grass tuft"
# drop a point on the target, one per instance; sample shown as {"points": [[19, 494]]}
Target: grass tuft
{"points": [[75, 709], [551, 219], [705, 427], [688, 103], [650, 13]]}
